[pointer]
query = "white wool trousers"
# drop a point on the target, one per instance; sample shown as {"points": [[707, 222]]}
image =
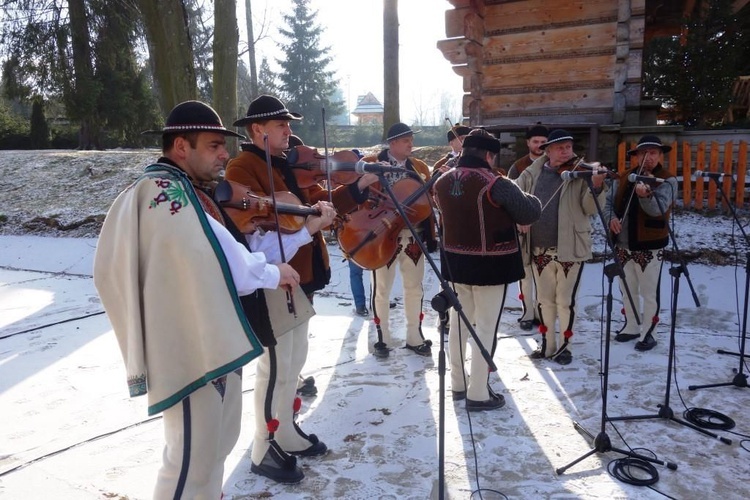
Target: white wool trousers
{"points": [[556, 289], [200, 432], [276, 375], [527, 295], [642, 271], [482, 306], [412, 275]]}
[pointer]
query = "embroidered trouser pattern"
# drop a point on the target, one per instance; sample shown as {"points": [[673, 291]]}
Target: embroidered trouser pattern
{"points": [[483, 306], [557, 287], [410, 262], [200, 432], [642, 269], [287, 357]]}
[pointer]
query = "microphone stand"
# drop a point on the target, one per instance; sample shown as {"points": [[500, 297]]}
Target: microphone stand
{"points": [[739, 380], [448, 299], [676, 270], [602, 443]]}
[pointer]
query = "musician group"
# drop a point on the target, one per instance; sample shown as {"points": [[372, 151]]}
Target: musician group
{"points": [[173, 246]]}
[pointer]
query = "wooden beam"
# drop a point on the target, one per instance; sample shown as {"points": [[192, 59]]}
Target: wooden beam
{"points": [[535, 15]]}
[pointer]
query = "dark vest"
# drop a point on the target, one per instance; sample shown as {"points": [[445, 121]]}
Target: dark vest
{"points": [[644, 231], [479, 237]]}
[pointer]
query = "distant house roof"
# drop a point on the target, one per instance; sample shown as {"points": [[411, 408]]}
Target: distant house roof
{"points": [[368, 104]]}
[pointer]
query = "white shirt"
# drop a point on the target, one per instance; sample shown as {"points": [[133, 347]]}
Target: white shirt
{"points": [[256, 269]]}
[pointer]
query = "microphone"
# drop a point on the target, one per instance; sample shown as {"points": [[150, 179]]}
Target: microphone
{"points": [[362, 167], [650, 181], [569, 175], [718, 176]]}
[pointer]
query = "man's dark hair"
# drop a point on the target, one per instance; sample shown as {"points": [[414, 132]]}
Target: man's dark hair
{"points": [[167, 140]]}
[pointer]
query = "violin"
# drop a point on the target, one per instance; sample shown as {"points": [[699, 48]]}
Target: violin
{"points": [[250, 211], [577, 163], [310, 167], [369, 236]]}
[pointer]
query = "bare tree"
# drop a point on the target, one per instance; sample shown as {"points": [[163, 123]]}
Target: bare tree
{"points": [[171, 51], [253, 65], [391, 87], [226, 38]]}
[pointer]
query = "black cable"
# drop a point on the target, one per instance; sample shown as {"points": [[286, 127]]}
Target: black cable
{"points": [[635, 471], [40, 327], [708, 419]]}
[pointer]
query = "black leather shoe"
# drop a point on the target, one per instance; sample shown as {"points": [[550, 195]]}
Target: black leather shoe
{"points": [[537, 354], [282, 469], [526, 324], [564, 358], [308, 389], [458, 395], [362, 311], [423, 349], [626, 337], [646, 344], [380, 350], [316, 449], [496, 401]]}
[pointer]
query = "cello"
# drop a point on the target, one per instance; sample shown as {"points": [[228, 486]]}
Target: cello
{"points": [[369, 236]]}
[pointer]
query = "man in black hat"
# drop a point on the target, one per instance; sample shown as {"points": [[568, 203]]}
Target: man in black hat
{"points": [[480, 258], [640, 230], [560, 241], [536, 136], [278, 438], [409, 256], [171, 294]]}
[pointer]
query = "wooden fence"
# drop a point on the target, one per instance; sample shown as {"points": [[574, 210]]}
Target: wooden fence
{"points": [[682, 161]]}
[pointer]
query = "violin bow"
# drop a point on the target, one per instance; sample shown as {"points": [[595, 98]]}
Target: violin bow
{"points": [[289, 296], [453, 129], [325, 152]]}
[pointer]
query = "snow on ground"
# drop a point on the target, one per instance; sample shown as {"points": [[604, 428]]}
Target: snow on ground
{"points": [[70, 431]]}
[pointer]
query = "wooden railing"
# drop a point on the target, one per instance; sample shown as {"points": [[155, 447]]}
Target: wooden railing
{"points": [[683, 161]]}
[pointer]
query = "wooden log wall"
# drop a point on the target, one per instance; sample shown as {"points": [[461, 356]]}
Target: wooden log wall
{"points": [[524, 61]]}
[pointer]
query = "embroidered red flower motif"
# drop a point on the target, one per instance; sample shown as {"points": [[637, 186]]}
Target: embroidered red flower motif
{"points": [[297, 405], [272, 425]]}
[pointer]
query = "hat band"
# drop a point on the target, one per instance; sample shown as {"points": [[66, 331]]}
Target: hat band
{"points": [[647, 144], [174, 128], [270, 113], [558, 139], [400, 135]]}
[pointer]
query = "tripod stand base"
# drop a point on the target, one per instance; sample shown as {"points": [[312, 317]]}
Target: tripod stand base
{"points": [[739, 380], [603, 444]]}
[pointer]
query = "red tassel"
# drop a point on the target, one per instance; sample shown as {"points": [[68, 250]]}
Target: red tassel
{"points": [[421, 316], [568, 333], [297, 405], [272, 425], [542, 329], [520, 296], [655, 320], [622, 311], [376, 320]]}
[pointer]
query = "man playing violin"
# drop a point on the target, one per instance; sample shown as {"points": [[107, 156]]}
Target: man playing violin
{"points": [[169, 271], [455, 137], [640, 231], [268, 122], [409, 257], [536, 136], [480, 258], [560, 241]]}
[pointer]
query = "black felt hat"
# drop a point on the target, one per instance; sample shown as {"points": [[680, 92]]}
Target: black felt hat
{"points": [[649, 141], [487, 143], [266, 107], [193, 116], [537, 131], [399, 130], [558, 135], [458, 130]]}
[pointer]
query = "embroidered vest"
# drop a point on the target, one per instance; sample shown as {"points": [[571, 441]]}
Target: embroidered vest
{"points": [[645, 232]]}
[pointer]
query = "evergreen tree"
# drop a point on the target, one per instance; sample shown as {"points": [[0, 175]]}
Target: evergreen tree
{"points": [[267, 80], [694, 76], [307, 85], [39, 131]]}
